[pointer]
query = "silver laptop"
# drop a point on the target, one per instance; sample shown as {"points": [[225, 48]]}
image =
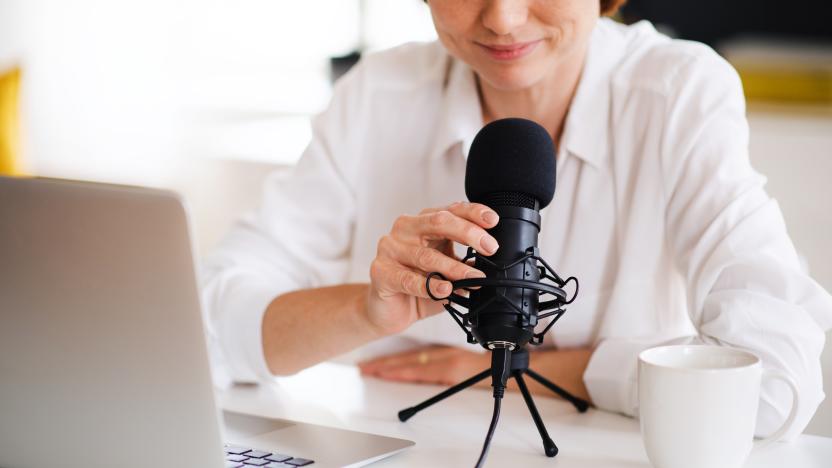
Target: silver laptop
{"points": [[103, 360]]}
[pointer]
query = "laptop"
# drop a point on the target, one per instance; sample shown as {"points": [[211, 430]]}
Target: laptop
{"points": [[103, 359]]}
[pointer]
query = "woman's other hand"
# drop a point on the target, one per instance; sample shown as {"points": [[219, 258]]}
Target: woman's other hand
{"points": [[416, 246], [447, 365], [442, 365]]}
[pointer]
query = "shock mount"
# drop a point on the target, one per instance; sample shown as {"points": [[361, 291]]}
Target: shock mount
{"points": [[553, 307]]}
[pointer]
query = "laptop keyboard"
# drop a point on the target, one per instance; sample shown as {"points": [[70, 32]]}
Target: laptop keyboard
{"points": [[244, 457]]}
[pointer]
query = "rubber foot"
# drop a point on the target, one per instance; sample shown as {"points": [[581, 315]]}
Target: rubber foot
{"points": [[550, 448], [406, 414]]}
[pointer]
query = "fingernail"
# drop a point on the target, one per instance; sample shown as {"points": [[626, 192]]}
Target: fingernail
{"points": [[444, 288], [490, 217], [474, 274], [489, 244]]}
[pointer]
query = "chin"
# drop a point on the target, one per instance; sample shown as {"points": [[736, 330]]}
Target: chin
{"points": [[509, 78]]}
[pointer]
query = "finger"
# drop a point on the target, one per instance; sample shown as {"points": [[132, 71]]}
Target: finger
{"points": [[441, 356], [434, 372], [416, 374], [446, 225], [445, 371], [428, 259], [394, 279], [383, 361], [476, 213], [406, 357], [441, 219]]}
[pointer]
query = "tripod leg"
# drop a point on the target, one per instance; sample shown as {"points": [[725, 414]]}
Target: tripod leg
{"points": [[548, 444], [407, 413], [580, 404]]}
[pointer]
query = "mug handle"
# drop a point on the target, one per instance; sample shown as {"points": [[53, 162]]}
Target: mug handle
{"points": [[774, 374]]}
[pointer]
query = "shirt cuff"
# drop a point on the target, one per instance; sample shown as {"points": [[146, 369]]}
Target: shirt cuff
{"points": [[611, 378], [239, 330]]}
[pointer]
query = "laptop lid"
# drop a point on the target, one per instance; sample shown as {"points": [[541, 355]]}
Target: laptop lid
{"points": [[103, 360]]}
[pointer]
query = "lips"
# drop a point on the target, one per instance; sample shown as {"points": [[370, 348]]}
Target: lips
{"points": [[513, 51]]}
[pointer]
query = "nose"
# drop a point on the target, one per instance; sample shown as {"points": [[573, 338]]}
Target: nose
{"points": [[504, 16]]}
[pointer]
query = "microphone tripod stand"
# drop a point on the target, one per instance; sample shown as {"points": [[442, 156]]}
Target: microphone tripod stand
{"points": [[519, 367], [509, 357]]}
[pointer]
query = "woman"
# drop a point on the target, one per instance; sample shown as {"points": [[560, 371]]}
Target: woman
{"points": [[657, 211]]}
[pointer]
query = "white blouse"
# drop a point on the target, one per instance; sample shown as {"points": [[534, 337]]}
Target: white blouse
{"points": [[657, 212]]}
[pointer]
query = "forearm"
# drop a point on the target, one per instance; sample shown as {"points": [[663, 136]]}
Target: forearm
{"points": [[305, 327], [564, 367]]}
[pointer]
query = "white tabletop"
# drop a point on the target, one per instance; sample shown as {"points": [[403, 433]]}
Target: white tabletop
{"points": [[451, 432]]}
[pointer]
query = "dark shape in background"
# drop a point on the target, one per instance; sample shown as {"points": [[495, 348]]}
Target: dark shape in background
{"points": [[714, 21]]}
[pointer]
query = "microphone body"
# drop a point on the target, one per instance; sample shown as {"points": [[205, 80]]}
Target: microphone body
{"points": [[511, 169], [498, 324]]}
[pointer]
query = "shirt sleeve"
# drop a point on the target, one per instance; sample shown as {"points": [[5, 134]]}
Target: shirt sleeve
{"points": [[745, 285], [298, 238]]}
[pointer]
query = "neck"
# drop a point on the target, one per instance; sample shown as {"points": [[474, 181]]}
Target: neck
{"points": [[545, 102]]}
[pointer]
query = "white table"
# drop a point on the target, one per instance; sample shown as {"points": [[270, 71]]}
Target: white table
{"points": [[451, 432]]}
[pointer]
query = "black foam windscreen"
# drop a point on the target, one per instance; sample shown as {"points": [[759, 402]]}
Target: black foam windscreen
{"points": [[511, 156]]}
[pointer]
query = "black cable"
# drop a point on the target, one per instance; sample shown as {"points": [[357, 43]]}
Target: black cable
{"points": [[494, 418], [500, 372]]}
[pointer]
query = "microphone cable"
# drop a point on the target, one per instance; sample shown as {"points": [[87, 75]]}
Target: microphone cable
{"points": [[494, 418], [500, 372]]}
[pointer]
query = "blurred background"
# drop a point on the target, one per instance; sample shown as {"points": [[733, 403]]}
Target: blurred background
{"points": [[207, 97]]}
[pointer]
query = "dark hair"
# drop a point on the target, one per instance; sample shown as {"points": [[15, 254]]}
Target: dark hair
{"points": [[610, 7]]}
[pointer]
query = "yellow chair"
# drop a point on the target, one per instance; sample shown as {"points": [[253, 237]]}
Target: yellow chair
{"points": [[10, 158]]}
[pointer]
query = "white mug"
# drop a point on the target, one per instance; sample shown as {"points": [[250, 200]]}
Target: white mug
{"points": [[698, 405]]}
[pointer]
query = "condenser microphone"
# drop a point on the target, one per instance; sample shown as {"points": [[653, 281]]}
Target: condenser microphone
{"points": [[511, 169]]}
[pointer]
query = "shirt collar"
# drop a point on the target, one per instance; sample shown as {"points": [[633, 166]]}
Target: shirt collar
{"points": [[586, 129], [460, 117]]}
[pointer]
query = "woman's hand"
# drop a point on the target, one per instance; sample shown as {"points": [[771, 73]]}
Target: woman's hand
{"points": [[446, 365], [442, 365], [416, 246]]}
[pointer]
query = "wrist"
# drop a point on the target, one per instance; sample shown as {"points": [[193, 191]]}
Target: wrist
{"points": [[368, 313]]}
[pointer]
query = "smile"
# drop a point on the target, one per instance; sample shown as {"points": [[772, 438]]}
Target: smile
{"points": [[510, 51]]}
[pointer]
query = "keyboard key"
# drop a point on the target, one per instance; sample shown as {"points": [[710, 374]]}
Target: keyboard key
{"points": [[258, 454], [236, 450], [233, 464], [236, 458], [278, 457], [299, 462], [256, 461], [278, 465]]}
